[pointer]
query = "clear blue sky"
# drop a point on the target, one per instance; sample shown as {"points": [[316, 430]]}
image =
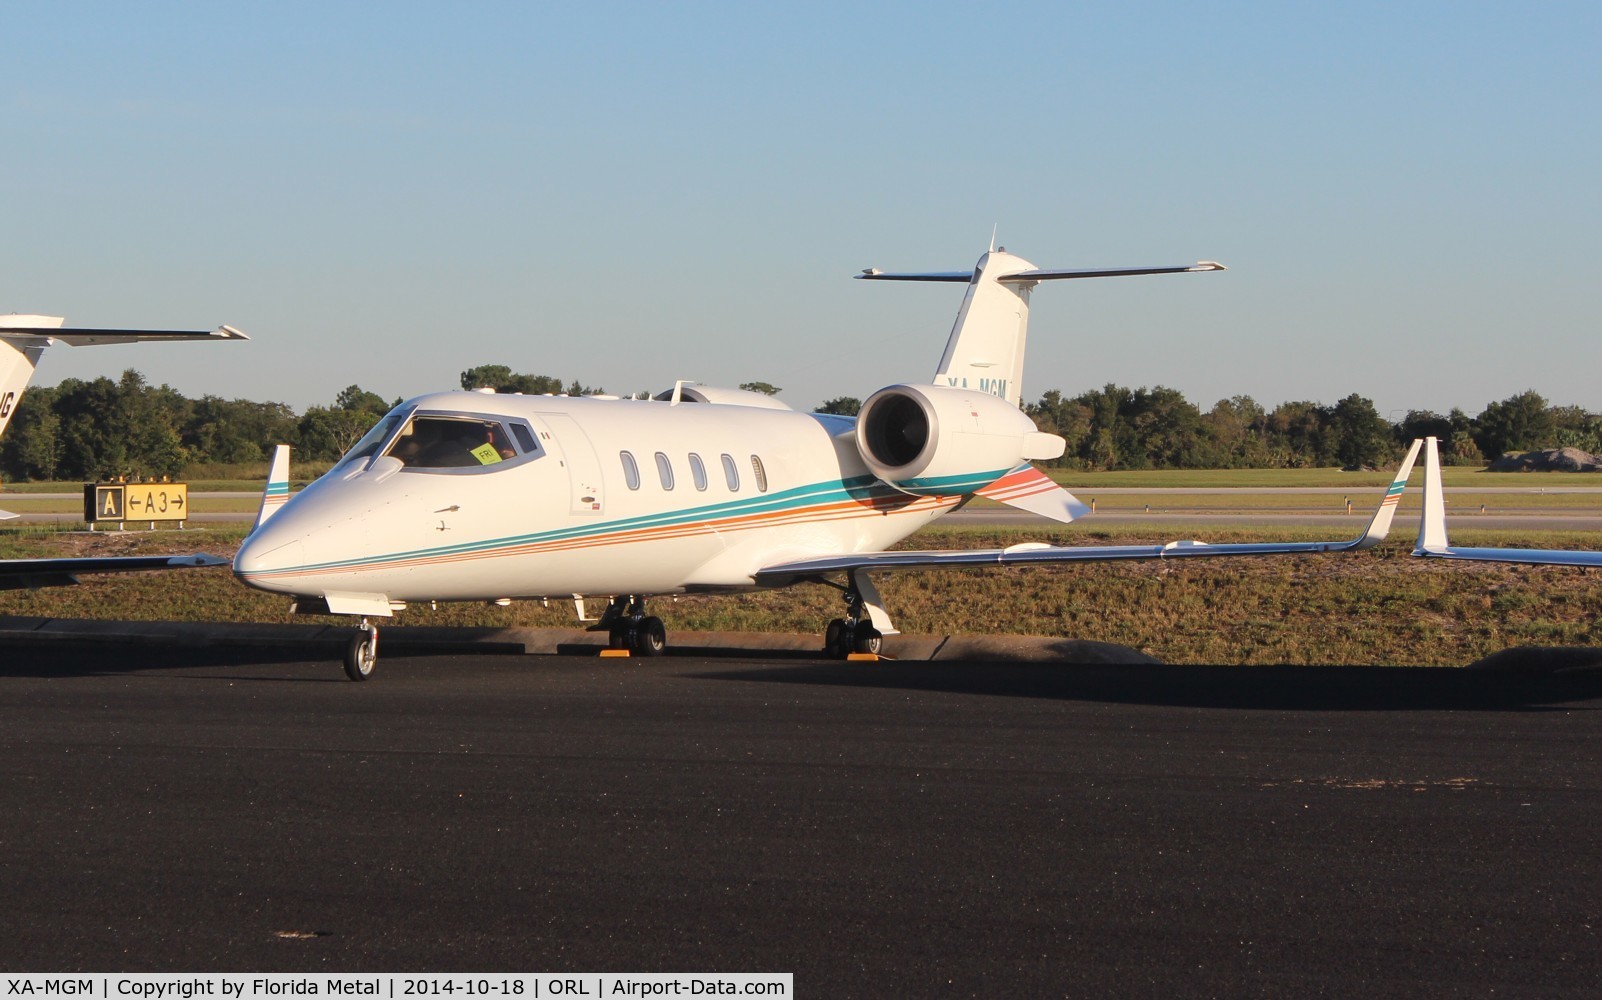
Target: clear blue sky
{"points": [[1409, 196]]}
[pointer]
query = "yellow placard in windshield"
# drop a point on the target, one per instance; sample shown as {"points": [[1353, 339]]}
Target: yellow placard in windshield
{"points": [[486, 454]]}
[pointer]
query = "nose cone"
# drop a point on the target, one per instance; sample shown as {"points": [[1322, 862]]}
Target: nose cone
{"points": [[271, 559]]}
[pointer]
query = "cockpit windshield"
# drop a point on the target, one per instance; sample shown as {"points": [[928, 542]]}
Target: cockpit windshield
{"points": [[452, 441], [445, 441]]}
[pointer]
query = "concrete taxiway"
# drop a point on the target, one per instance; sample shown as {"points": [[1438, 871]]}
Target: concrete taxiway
{"points": [[929, 828]]}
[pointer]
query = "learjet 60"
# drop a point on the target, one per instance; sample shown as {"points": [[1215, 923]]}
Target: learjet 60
{"points": [[479, 496]]}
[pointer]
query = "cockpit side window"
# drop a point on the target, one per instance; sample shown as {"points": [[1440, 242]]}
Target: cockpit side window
{"points": [[461, 441]]}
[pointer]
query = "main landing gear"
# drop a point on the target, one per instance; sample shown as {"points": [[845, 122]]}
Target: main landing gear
{"points": [[361, 655], [628, 627], [855, 633]]}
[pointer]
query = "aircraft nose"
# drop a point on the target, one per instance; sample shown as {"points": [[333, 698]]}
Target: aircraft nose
{"points": [[267, 560]]}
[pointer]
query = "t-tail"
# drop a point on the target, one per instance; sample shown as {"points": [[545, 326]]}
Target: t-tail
{"points": [[953, 439], [986, 348], [23, 340]]}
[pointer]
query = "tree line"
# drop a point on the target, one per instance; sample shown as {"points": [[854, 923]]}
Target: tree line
{"points": [[104, 428]]}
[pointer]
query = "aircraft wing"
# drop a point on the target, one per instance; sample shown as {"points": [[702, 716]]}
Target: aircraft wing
{"points": [[17, 574], [1433, 543], [786, 573]]}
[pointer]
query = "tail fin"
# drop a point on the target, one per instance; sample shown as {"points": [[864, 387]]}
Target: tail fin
{"points": [[24, 338], [986, 348], [276, 493]]}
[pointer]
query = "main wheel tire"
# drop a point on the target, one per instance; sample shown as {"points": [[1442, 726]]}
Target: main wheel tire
{"points": [[832, 646], [650, 637], [866, 639], [617, 637], [361, 655]]}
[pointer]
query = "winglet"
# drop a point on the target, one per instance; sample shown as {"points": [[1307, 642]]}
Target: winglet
{"points": [[276, 494], [1432, 526], [1380, 526]]}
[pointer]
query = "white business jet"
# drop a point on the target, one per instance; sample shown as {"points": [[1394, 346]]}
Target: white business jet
{"points": [[23, 339], [1433, 544], [468, 496]]}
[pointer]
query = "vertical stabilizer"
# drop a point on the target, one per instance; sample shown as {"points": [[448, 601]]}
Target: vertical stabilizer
{"points": [[276, 494], [986, 347]]}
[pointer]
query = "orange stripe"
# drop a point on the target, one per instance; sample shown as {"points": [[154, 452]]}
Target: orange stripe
{"points": [[844, 510]]}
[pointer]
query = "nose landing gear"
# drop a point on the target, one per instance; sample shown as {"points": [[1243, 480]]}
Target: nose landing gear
{"points": [[361, 655]]}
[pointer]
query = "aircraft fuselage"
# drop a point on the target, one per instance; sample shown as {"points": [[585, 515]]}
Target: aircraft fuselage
{"points": [[474, 496]]}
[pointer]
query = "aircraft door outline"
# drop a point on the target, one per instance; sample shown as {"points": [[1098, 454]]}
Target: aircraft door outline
{"points": [[573, 446]]}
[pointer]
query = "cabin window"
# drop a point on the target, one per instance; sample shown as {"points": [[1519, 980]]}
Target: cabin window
{"points": [[731, 473], [761, 474], [698, 471], [631, 471], [664, 471], [525, 438]]}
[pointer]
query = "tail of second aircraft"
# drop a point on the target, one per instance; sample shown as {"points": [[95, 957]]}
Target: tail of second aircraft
{"points": [[24, 338], [19, 355]]}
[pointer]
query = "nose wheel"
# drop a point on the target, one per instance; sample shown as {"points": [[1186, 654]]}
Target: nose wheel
{"points": [[361, 655]]}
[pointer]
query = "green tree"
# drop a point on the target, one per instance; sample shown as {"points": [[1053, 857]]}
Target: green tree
{"points": [[354, 397], [1518, 423], [1296, 435], [236, 430], [1238, 429], [1360, 436], [1069, 419], [324, 433], [31, 442], [767, 389], [503, 379], [847, 406]]}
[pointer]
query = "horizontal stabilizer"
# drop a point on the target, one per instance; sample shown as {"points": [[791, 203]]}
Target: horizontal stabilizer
{"points": [[84, 337], [1027, 488], [1038, 274]]}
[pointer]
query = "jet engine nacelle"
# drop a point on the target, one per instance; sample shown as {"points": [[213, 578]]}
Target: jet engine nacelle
{"points": [[935, 440]]}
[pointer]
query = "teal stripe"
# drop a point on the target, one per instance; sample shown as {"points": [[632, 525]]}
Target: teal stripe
{"points": [[860, 488]]}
